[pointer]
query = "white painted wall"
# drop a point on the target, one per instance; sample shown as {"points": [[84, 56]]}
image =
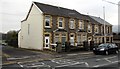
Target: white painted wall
{"points": [[19, 38], [33, 40]]}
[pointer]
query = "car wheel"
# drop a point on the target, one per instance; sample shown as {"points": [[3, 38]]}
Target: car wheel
{"points": [[116, 52], [106, 53]]}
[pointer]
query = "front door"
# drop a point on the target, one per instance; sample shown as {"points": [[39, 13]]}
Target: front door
{"points": [[63, 41], [47, 42], [103, 40], [72, 40]]}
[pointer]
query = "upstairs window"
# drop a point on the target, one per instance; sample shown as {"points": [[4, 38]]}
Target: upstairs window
{"points": [[96, 29], [89, 28], [60, 23], [81, 24], [47, 21], [102, 30], [72, 23]]}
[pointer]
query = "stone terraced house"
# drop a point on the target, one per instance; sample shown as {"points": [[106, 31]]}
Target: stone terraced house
{"points": [[45, 25]]}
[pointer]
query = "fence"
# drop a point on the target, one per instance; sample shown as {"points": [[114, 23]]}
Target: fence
{"points": [[81, 45], [117, 43]]}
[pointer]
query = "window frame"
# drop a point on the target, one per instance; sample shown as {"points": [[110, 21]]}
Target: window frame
{"points": [[84, 37], [90, 28], [73, 39], [79, 38], [60, 21], [50, 21], [81, 24], [70, 24], [96, 30]]}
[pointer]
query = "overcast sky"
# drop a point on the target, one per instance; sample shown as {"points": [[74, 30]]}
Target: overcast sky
{"points": [[12, 12]]}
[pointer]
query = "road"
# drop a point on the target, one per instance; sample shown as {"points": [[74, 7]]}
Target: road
{"points": [[70, 61]]}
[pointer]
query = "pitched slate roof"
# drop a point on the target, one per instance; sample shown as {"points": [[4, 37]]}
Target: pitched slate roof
{"points": [[100, 20], [54, 10], [87, 17], [60, 11]]}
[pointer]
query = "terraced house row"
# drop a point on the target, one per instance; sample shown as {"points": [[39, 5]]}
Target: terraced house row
{"points": [[45, 25]]}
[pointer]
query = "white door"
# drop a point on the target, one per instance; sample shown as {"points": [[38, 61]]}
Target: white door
{"points": [[72, 41], [47, 42]]}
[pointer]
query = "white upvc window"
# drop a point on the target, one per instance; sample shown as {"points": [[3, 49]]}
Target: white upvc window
{"points": [[84, 37], [108, 30], [95, 39], [79, 39], [81, 24], [60, 22], [96, 29], [102, 29], [89, 28], [72, 23], [47, 21]]}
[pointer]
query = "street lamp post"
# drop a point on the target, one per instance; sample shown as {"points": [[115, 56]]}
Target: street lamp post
{"points": [[104, 24]]}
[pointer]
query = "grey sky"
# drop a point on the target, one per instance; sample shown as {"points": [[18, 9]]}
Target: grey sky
{"points": [[13, 11]]}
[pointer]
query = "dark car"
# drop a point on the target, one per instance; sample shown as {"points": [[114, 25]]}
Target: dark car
{"points": [[106, 48]]}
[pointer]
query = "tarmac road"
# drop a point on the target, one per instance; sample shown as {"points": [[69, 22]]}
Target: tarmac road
{"points": [[71, 61], [98, 62]]}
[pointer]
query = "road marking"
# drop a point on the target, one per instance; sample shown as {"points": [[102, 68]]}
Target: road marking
{"points": [[70, 64], [66, 62], [87, 53], [86, 64], [108, 60], [105, 64], [110, 57], [72, 54], [37, 64], [115, 62], [63, 61], [20, 64], [98, 59]]}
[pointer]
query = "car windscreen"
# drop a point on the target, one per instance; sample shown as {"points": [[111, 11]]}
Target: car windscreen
{"points": [[103, 45]]}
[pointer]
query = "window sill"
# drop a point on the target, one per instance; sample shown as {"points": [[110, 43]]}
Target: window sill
{"points": [[60, 27], [72, 28], [96, 32], [47, 27], [81, 28]]}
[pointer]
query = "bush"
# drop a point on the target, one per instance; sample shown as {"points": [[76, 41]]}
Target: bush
{"points": [[12, 38]]}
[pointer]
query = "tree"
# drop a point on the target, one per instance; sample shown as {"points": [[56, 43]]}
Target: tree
{"points": [[12, 38]]}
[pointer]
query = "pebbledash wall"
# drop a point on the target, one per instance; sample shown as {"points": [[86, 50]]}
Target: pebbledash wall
{"points": [[32, 30]]}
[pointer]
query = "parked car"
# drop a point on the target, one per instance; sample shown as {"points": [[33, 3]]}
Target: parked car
{"points": [[106, 48]]}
